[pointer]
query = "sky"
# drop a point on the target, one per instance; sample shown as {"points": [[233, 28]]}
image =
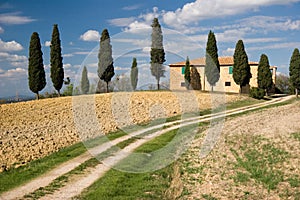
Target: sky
{"points": [[270, 27]]}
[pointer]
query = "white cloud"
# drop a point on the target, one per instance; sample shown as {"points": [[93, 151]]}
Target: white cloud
{"points": [[14, 73], [90, 35], [228, 52], [192, 13], [12, 57], [143, 23], [68, 55], [138, 27], [47, 43], [133, 7], [268, 23], [117, 68], [1, 30], [82, 52], [10, 46], [14, 18], [1, 71], [121, 22], [283, 45], [262, 40], [67, 65]]}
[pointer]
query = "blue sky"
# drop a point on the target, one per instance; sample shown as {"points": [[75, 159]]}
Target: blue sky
{"points": [[266, 26]]}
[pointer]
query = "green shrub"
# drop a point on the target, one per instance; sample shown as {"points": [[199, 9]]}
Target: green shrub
{"points": [[257, 93]]}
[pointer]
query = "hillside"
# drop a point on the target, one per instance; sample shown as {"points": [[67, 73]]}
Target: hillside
{"points": [[33, 129], [257, 157]]}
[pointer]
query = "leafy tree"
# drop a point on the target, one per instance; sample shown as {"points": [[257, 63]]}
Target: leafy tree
{"points": [[295, 71], [187, 73], [212, 65], [36, 71], [68, 81], [85, 83], [157, 52], [57, 71], [282, 83], [195, 79], [134, 74], [241, 69], [68, 90], [105, 63], [264, 75]]}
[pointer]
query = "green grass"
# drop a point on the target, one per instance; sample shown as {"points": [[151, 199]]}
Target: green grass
{"points": [[17, 176], [208, 197], [294, 181], [117, 184], [296, 136], [124, 185], [259, 159], [241, 177], [62, 180]]}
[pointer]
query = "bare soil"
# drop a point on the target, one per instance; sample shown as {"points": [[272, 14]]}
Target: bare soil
{"points": [[214, 177], [34, 129]]}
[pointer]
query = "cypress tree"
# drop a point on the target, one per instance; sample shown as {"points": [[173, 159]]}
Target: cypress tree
{"points": [[134, 74], [241, 69], [187, 73], [36, 72], [264, 75], [57, 71], [85, 83], [157, 52], [295, 71], [105, 60], [212, 65], [195, 79]]}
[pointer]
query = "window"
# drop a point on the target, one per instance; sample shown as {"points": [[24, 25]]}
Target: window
{"points": [[230, 70], [182, 84], [227, 84], [182, 70]]}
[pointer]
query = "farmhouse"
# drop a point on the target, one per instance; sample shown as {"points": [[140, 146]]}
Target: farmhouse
{"points": [[225, 83]]}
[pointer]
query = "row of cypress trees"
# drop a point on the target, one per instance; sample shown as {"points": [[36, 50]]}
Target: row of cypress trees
{"points": [[36, 71], [157, 56], [241, 68]]}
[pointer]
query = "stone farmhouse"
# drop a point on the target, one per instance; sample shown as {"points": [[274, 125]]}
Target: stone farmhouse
{"points": [[225, 83]]}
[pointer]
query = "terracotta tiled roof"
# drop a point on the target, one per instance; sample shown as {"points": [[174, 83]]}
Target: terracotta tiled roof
{"points": [[224, 61]]}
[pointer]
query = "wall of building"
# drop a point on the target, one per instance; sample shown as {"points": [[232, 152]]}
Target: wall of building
{"points": [[226, 82]]}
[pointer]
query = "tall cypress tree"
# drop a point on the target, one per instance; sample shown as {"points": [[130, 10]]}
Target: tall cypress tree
{"points": [[134, 74], [187, 73], [105, 60], [195, 79], [212, 65], [57, 71], [241, 69], [264, 75], [295, 71], [85, 83], [157, 52], [36, 72]]}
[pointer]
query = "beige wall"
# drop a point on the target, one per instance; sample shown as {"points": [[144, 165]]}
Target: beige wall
{"points": [[176, 78]]}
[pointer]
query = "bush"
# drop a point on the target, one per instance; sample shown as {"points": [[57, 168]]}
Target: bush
{"points": [[257, 93]]}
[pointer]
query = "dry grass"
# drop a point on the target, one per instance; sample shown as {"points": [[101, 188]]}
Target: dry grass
{"points": [[257, 157]]}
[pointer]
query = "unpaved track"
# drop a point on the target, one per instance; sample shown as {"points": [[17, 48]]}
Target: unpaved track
{"points": [[73, 189]]}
